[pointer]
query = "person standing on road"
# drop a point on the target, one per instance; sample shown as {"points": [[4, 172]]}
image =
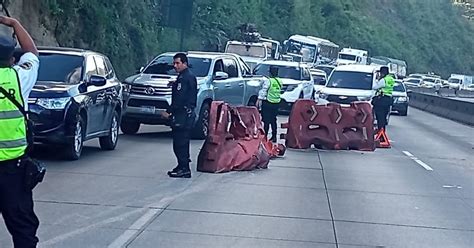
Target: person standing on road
{"points": [[269, 99], [16, 200], [181, 112], [383, 99]]}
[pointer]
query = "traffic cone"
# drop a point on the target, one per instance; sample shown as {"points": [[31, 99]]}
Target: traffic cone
{"points": [[382, 140]]}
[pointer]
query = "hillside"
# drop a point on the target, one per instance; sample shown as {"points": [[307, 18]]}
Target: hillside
{"points": [[431, 35]]}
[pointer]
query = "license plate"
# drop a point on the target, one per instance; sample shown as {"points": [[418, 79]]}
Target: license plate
{"points": [[148, 109]]}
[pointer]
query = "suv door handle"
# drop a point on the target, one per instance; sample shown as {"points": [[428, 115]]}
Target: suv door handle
{"points": [[228, 85], [241, 84]]}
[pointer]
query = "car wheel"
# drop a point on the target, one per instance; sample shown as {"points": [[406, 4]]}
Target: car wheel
{"points": [[74, 147], [129, 127], [110, 141], [201, 128], [403, 112], [252, 102]]}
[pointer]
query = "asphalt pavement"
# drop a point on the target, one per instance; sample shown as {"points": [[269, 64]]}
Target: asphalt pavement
{"points": [[418, 194]]}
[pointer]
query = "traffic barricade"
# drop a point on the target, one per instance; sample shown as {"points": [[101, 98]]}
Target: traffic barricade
{"points": [[331, 126], [236, 141]]}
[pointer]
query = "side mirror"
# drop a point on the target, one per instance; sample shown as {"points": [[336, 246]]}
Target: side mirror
{"points": [[409, 91], [97, 80], [220, 75]]}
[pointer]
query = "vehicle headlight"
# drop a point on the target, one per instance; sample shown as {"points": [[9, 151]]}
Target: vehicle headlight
{"points": [[402, 99], [126, 87], [53, 103], [291, 87]]}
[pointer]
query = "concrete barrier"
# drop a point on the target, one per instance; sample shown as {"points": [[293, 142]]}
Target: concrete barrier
{"points": [[445, 92], [459, 111], [465, 94]]}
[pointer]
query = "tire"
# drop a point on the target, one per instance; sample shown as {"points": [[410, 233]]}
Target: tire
{"points": [[130, 127], [252, 102], [201, 128], [73, 149], [403, 112], [110, 141]]}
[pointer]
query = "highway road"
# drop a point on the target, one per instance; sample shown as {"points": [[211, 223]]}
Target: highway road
{"points": [[418, 194]]}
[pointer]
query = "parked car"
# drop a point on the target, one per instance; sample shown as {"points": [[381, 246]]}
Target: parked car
{"points": [[319, 79], [400, 98], [431, 83], [77, 97], [326, 68], [349, 83], [413, 82], [296, 79], [221, 76]]}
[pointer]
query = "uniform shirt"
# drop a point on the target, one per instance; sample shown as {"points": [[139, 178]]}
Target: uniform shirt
{"points": [[27, 69], [379, 84], [184, 94], [263, 92]]}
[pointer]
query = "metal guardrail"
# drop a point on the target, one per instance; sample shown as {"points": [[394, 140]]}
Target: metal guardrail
{"points": [[460, 111]]}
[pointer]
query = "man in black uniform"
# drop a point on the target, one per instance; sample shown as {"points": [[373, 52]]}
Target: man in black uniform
{"points": [[181, 112]]}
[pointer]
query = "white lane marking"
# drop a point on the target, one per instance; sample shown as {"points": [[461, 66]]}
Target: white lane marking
{"points": [[135, 228], [418, 161]]}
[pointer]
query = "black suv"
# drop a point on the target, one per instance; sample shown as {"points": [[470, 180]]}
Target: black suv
{"points": [[77, 97]]}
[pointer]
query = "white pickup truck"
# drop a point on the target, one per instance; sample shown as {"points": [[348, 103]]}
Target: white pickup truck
{"points": [[221, 76]]}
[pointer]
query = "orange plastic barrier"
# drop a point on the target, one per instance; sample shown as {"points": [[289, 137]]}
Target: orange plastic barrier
{"points": [[236, 141], [330, 126]]}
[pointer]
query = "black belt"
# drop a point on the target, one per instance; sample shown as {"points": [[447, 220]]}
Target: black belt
{"points": [[9, 166]]}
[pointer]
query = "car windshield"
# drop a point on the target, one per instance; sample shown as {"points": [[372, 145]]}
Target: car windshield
{"points": [[60, 68], [164, 65], [347, 56], [319, 79], [247, 50], [350, 80], [431, 80], [326, 69], [307, 52], [413, 81], [454, 80], [283, 71], [399, 87]]}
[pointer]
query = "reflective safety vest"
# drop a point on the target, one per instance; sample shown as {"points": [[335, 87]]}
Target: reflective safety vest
{"points": [[389, 84], [274, 91], [13, 140]]}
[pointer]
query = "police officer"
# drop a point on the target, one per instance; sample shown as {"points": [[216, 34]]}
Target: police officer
{"points": [[383, 99], [269, 101], [16, 201], [181, 112]]}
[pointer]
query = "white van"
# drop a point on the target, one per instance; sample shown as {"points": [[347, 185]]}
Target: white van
{"points": [[348, 56]]}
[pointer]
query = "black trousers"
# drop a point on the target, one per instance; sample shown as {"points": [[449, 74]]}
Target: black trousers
{"points": [[381, 109], [16, 206], [269, 117], [181, 139]]}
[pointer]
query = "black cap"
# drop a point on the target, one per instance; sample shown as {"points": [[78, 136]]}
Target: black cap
{"points": [[7, 47]]}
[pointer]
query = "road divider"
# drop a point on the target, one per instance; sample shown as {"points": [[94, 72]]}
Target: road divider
{"points": [[236, 141], [330, 126], [460, 111]]}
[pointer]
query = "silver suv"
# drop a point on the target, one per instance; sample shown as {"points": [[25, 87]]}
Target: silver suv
{"points": [[220, 76]]}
